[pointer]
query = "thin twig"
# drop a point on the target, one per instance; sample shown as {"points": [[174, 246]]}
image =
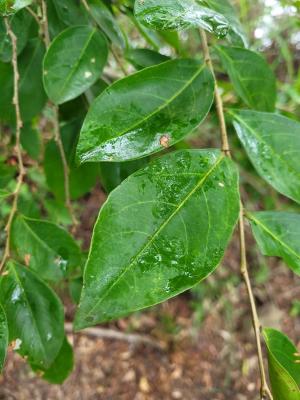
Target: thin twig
{"points": [[265, 391], [19, 125], [103, 333], [57, 134]]}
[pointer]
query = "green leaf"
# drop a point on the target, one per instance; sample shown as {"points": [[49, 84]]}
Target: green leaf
{"points": [[236, 32], [170, 223], [3, 337], [251, 76], [142, 58], [20, 24], [272, 143], [31, 141], [61, 367], [30, 69], [106, 22], [177, 14], [283, 370], [68, 12], [146, 112], [34, 313], [73, 62], [278, 234], [48, 249], [8, 7]]}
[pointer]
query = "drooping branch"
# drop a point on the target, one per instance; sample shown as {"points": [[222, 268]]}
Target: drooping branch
{"points": [[265, 391], [19, 125]]}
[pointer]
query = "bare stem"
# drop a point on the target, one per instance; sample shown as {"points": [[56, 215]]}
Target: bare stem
{"points": [[19, 125], [264, 391], [57, 135]]}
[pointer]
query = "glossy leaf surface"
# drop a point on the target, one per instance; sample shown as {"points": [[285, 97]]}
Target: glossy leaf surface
{"points": [[272, 143], [177, 14], [74, 61], [45, 247], [251, 76], [146, 112], [283, 370], [278, 234], [34, 313], [170, 223], [8, 7], [3, 337]]}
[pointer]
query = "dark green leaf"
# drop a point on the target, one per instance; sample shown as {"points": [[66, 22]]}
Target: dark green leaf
{"points": [[74, 61], [48, 249], [3, 337], [177, 14], [30, 69], [170, 224], [20, 24], [146, 112], [272, 143], [142, 58], [61, 367], [69, 12], [278, 234], [75, 287], [106, 22], [34, 313], [31, 141], [283, 370], [251, 76], [8, 7]]}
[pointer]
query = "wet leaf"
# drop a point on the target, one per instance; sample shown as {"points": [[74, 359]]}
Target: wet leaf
{"points": [[34, 313], [170, 223], [129, 118], [283, 370], [73, 62], [251, 76], [3, 337], [45, 247], [8, 7], [177, 14], [278, 234], [272, 143]]}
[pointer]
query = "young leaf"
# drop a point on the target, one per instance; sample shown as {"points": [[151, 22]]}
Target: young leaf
{"points": [[283, 370], [73, 62], [177, 14], [61, 367], [251, 76], [272, 143], [48, 249], [146, 112], [236, 32], [106, 22], [34, 313], [142, 58], [162, 231], [278, 234], [3, 337], [8, 7]]}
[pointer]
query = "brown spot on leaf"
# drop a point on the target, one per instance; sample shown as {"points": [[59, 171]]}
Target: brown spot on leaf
{"points": [[165, 141]]}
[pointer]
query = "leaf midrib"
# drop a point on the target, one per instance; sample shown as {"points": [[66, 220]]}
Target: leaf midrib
{"points": [[157, 232]]}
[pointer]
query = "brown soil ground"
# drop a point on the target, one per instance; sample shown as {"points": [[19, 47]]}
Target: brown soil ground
{"points": [[214, 360]]}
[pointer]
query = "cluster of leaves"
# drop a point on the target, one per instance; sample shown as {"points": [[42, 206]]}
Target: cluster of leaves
{"points": [[167, 226]]}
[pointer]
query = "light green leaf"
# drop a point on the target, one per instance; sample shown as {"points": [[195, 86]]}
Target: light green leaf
{"points": [[251, 76], [73, 62], [272, 143], [283, 370], [3, 337], [170, 223], [177, 14], [106, 22], [8, 7], [48, 249], [34, 313], [278, 234], [146, 112]]}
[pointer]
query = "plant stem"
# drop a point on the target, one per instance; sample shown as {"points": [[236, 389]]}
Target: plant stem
{"points": [[264, 391], [57, 135], [19, 125]]}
